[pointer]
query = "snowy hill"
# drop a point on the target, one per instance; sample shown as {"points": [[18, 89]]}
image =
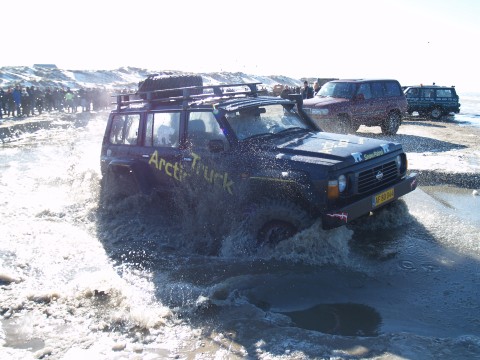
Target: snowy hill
{"points": [[126, 77]]}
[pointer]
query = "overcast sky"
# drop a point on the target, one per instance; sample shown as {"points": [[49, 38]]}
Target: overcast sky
{"points": [[414, 41]]}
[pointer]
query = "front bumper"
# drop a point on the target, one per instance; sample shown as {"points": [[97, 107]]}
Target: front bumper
{"points": [[344, 215]]}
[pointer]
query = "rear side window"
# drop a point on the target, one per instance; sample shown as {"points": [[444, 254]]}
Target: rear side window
{"points": [[163, 129], [377, 89], [445, 93], [382, 89], [392, 89], [124, 129]]}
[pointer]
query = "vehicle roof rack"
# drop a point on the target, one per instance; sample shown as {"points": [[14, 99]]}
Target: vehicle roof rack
{"points": [[189, 94]]}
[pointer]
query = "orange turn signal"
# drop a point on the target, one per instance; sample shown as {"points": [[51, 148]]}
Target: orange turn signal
{"points": [[332, 192]]}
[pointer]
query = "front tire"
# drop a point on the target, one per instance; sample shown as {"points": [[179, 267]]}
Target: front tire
{"points": [[391, 124], [436, 113], [118, 184], [275, 221], [347, 126]]}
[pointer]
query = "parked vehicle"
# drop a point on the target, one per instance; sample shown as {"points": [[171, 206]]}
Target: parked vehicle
{"points": [[432, 101], [263, 154], [343, 105]]}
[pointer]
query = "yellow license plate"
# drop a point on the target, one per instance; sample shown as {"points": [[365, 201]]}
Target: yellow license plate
{"points": [[383, 197]]}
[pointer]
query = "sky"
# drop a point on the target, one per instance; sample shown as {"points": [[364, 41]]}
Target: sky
{"points": [[413, 41]]}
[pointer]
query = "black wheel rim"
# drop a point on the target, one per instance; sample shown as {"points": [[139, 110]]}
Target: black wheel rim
{"points": [[275, 231]]}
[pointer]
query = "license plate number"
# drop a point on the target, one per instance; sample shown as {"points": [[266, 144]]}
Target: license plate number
{"points": [[383, 197]]}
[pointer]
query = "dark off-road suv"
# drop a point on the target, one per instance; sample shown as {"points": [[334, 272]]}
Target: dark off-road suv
{"points": [[432, 101], [343, 105], [262, 153]]}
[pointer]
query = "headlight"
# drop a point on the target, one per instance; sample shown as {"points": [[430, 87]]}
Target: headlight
{"points": [[319, 111], [342, 183]]}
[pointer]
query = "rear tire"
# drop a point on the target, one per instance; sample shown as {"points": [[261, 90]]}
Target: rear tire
{"points": [[436, 113], [275, 221], [391, 124]]}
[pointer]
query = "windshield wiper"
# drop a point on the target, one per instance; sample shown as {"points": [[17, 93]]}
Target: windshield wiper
{"points": [[292, 129], [259, 136]]}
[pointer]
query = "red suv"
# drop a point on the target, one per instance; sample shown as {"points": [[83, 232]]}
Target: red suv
{"points": [[343, 105]]}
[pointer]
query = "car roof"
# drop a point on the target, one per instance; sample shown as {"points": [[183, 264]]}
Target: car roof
{"points": [[361, 80], [430, 86]]}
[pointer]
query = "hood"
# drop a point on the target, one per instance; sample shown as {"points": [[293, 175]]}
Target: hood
{"points": [[318, 101], [334, 148]]}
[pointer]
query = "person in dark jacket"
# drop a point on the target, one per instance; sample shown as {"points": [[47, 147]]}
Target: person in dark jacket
{"points": [[10, 102], [17, 99], [49, 104], [32, 99], [25, 102], [2, 103], [307, 91], [39, 100]]}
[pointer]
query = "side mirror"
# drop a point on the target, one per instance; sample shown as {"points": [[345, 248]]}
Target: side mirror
{"points": [[216, 146]]}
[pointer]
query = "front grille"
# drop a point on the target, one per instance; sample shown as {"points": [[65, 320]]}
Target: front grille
{"points": [[375, 178]]}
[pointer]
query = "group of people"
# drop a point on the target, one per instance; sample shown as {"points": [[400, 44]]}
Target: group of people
{"points": [[307, 91], [21, 101]]}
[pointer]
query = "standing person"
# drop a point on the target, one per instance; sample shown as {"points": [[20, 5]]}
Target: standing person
{"points": [[58, 98], [25, 103], [39, 100], [49, 103], [69, 100], [2, 102], [316, 88], [32, 98], [83, 99], [285, 92], [17, 99], [10, 102], [307, 92]]}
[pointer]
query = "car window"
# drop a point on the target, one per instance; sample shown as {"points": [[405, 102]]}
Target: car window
{"points": [[124, 129], [427, 93], [203, 127], [446, 93], [255, 121], [338, 90], [377, 89], [411, 93], [392, 89], [163, 129], [365, 90]]}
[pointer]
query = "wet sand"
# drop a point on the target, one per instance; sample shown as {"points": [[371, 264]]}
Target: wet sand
{"points": [[443, 152]]}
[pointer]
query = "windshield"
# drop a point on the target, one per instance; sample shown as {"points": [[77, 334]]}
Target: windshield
{"points": [[265, 120], [337, 90]]}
